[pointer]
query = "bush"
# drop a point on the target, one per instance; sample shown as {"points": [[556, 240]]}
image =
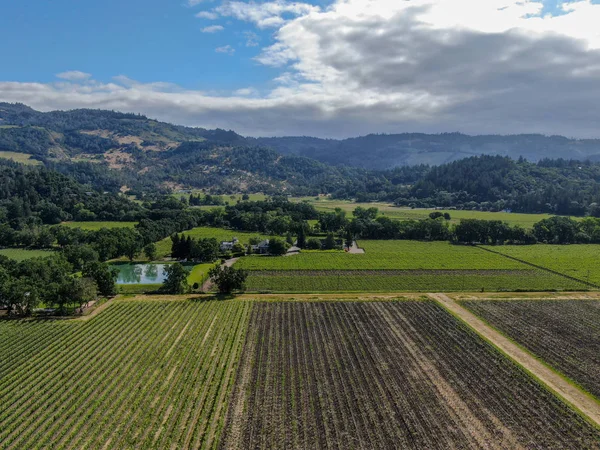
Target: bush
{"points": [[313, 244]]}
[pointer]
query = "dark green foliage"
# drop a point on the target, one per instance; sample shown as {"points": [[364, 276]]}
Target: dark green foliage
{"points": [[277, 247], [104, 276], [228, 279], [176, 281], [150, 251]]}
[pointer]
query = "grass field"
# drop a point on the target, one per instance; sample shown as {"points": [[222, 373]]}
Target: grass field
{"points": [[153, 374], [93, 226], [579, 261], [163, 248], [563, 333], [323, 204], [22, 158], [386, 375], [400, 266], [21, 254]]}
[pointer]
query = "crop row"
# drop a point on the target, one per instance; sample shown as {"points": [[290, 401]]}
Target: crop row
{"points": [[578, 261], [388, 255], [386, 375], [565, 334], [139, 375], [407, 280]]}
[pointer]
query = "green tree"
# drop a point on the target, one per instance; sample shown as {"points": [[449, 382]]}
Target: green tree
{"points": [[277, 247], [104, 276], [176, 281], [150, 251], [313, 244], [228, 279]]}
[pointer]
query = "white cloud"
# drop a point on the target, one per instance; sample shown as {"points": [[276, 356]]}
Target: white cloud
{"points": [[252, 39], [360, 66], [264, 15], [246, 92], [228, 49], [212, 29], [73, 75], [207, 15]]}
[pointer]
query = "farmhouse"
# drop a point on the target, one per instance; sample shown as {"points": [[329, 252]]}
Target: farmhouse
{"points": [[227, 246], [262, 248]]}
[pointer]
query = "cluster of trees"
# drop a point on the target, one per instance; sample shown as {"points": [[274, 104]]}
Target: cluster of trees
{"points": [[40, 196], [51, 282], [200, 250], [205, 200]]}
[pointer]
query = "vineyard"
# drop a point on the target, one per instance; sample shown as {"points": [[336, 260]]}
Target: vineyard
{"points": [[153, 374], [386, 375], [564, 333], [400, 266], [407, 281], [578, 261]]}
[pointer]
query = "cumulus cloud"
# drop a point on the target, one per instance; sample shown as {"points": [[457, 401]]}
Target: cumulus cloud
{"points": [[269, 14], [228, 49], [360, 66], [207, 15], [212, 29], [73, 75]]}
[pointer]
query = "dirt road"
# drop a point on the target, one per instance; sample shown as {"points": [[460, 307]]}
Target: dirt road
{"points": [[578, 398]]}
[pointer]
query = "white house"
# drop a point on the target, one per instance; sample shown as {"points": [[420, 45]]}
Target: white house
{"points": [[262, 248], [227, 246]]}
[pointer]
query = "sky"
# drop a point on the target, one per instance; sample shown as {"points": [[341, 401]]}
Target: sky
{"points": [[327, 68]]}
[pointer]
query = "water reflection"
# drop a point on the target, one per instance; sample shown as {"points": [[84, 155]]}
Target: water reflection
{"points": [[141, 273]]}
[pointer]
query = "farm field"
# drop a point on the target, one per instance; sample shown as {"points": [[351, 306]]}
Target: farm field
{"points": [[21, 254], [578, 261], [23, 158], [403, 374], [525, 220], [93, 226], [407, 281], [163, 248], [396, 266], [153, 374], [563, 333]]}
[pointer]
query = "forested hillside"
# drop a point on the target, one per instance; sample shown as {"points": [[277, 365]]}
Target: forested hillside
{"points": [[117, 152], [382, 151]]}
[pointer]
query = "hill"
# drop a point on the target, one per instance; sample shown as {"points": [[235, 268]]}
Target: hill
{"points": [[392, 150]]}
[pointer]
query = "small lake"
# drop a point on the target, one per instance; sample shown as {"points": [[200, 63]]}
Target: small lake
{"points": [[141, 273]]}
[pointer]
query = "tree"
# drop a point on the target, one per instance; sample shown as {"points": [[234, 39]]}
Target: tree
{"points": [[150, 251], [329, 243], [18, 296], [277, 247], [436, 214], [313, 244], [104, 276], [176, 280], [228, 279], [84, 290]]}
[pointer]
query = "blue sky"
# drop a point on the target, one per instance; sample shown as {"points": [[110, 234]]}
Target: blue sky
{"points": [[149, 40], [330, 68]]}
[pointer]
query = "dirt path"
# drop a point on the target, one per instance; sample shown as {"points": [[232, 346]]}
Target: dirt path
{"points": [[581, 400], [208, 284]]}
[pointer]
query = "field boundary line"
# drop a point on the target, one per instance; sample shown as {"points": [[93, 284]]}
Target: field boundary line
{"points": [[583, 402], [587, 283]]}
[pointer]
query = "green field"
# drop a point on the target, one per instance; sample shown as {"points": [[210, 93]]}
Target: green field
{"points": [[163, 248], [385, 209], [400, 266], [578, 261], [21, 254], [153, 374], [22, 158], [388, 255], [407, 281], [93, 226]]}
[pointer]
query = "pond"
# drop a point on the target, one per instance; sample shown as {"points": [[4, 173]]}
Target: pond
{"points": [[141, 273]]}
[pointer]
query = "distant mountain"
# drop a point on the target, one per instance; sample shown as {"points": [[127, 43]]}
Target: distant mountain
{"points": [[383, 151]]}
